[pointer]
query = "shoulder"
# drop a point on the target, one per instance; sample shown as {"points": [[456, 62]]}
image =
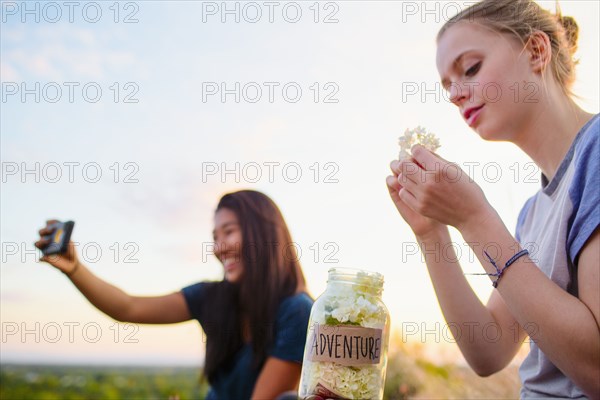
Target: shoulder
{"points": [[586, 163], [584, 189], [291, 326], [199, 289], [588, 146], [299, 300], [295, 306], [196, 294]]}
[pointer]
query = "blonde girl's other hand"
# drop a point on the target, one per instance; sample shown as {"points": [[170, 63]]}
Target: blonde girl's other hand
{"points": [[421, 225], [441, 190]]}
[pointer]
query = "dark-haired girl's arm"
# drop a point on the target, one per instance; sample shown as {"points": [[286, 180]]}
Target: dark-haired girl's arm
{"points": [[111, 300], [277, 377]]}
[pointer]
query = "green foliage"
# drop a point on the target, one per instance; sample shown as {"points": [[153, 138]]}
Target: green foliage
{"points": [[333, 321], [409, 375], [432, 369], [89, 383]]}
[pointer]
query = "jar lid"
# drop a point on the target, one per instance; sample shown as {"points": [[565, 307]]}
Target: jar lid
{"points": [[353, 275]]}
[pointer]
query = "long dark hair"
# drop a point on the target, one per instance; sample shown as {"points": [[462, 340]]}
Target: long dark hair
{"points": [[271, 273]]}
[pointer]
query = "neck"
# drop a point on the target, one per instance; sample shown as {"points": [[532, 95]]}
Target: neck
{"points": [[550, 132]]}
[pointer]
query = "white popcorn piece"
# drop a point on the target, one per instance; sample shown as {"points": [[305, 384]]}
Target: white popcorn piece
{"points": [[417, 136]]}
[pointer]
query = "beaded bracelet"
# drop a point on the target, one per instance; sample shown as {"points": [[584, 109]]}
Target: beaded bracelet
{"points": [[499, 272]]}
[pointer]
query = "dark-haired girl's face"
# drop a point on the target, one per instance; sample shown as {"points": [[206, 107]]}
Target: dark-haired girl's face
{"points": [[489, 78], [228, 244]]}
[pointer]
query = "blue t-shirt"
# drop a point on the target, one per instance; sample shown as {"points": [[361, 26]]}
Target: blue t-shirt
{"points": [[291, 323], [554, 225]]}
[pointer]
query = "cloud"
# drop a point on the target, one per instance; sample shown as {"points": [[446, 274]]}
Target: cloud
{"points": [[63, 53], [176, 199], [265, 132], [8, 73]]}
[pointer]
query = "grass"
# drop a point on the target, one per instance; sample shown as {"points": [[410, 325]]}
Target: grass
{"points": [[409, 375]]}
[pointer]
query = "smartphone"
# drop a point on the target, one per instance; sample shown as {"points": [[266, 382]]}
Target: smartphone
{"points": [[59, 237]]}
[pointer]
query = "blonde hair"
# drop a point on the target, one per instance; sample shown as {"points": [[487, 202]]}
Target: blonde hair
{"points": [[522, 18]]}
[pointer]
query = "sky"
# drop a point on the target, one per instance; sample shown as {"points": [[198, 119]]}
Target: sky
{"points": [[133, 118]]}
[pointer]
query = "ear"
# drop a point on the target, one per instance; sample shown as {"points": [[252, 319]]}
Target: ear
{"points": [[540, 51]]}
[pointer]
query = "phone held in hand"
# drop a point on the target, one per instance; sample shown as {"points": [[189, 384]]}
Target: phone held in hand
{"points": [[59, 237]]}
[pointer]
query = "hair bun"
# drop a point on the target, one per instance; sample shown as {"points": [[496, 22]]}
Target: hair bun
{"points": [[571, 31]]}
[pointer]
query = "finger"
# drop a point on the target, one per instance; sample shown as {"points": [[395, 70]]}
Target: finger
{"points": [[409, 199], [426, 159], [41, 243], [71, 250], [48, 258], [406, 182], [45, 231], [395, 167], [51, 258], [394, 188], [393, 184], [410, 170], [440, 157]]}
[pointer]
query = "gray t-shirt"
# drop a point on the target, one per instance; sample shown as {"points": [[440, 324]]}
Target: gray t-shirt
{"points": [[554, 225]]}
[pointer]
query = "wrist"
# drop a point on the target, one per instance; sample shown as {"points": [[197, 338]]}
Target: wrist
{"points": [[435, 235], [73, 270], [484, 219]]}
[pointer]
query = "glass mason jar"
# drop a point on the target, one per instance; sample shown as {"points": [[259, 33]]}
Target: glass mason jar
{"points": [[345, 356]]}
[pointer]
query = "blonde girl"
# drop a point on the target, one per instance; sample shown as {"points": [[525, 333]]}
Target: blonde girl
{"points": [[551, 294]]}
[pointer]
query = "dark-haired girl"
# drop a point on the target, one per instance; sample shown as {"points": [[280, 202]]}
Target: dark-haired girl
{"points": [[255, 319]]}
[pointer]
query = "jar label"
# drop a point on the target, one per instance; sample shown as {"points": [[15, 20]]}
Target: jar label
{"points": [[344, 344]]}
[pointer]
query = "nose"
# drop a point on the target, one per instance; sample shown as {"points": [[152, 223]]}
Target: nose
{"points": [[458, 93]]}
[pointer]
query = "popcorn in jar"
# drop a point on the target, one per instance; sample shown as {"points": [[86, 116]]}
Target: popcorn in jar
{"points": [[345, 356]]}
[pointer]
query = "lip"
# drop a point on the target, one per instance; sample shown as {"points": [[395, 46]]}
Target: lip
{"points": [[230, 266], [471, 114]]}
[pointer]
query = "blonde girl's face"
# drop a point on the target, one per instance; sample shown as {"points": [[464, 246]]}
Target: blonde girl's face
{"points": [[489, 78]]}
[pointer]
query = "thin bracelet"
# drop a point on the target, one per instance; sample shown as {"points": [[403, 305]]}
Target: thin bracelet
{"points": [[499, 271], [70, 274]]}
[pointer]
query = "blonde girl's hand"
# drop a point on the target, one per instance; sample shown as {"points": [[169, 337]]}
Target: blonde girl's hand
{"points": [[421, 226], [66, 262], [441, 190]]}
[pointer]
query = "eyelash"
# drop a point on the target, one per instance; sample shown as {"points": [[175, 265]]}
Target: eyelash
{"points": [[226, 233], [473, 70]]}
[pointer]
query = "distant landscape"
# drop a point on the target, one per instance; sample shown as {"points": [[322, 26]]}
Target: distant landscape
{"points": [[408, 376], [99, 382]]}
